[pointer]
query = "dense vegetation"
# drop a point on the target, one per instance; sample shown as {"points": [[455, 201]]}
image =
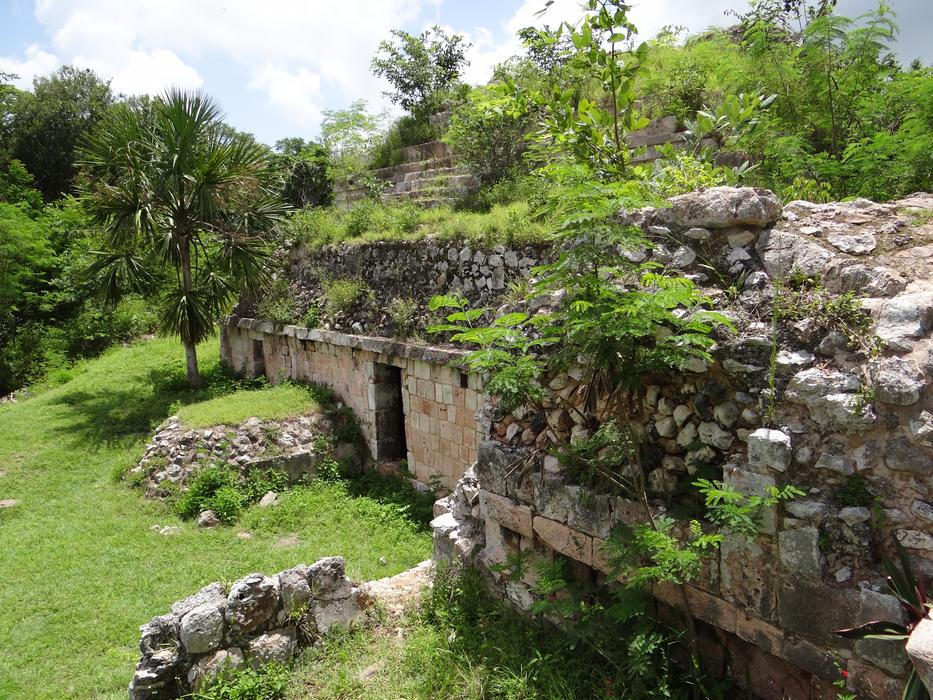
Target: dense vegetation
{"points": [[809, 103]]}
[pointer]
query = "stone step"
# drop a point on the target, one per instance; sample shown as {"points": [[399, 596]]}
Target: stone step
{"points": [[396, 172], [436, 172], [443, 182], [424, 151]]}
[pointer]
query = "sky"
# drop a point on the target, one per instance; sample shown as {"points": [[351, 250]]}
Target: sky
{"points": [[274, 65]]}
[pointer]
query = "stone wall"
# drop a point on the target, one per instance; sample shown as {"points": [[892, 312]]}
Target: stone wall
{"points": [[391, 386], [785, 401], [407, 270], [257, 620]]}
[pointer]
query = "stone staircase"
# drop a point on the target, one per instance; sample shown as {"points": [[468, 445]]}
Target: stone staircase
{"points": [[428, 174]]}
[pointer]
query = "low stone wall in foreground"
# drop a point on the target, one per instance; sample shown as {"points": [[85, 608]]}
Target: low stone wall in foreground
{"points": [[258, 620]]}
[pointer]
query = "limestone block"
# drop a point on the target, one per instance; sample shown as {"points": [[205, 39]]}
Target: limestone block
{"points": [[885, 654], [721, 207], [905, 318], [252, 602], [563, 539], [800, 550], [202, 629], [294, 589], [753, 484], [897, 381], [813, 610], [769, 449], [920, 651], [506, 512], [210, 668], [277, 645], [711, 434], [901, 455]]}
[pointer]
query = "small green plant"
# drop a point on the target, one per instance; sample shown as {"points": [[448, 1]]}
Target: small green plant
{"points": [[738, 513], [206, 482], [312, 317], [277, 304], [267, 683], [403, 313], [342, 295], [801, 297], [328, 469], [855, 492]]}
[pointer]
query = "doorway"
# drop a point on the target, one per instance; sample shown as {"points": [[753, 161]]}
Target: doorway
{"points": [[390, 413]]}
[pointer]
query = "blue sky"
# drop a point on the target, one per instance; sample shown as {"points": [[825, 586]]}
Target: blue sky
{"points": [[275, 64]]}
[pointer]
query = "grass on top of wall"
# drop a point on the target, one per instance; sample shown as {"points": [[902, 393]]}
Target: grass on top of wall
{"points": [[271, 403], [82, 568], [504, 224]]}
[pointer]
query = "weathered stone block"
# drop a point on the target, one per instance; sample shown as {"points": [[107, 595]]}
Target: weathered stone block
{"points": [[800, 551], [563, 539], [251, 604], [202, 629], [278, 646], [920, 651], [769, 449], [888, 655], [506, 512], [813, 610]]}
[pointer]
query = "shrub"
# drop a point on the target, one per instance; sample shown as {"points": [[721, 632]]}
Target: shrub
{"points": [[227, 502], [403, 313], [341, 295], [205, 484], [488, 133], [267, 683], [277, 304]]}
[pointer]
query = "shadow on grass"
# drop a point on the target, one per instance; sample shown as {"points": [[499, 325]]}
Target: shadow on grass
{"points": [[120, 416], [395, 491]]}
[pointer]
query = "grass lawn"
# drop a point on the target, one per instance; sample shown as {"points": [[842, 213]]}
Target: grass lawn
{"points": [[274, 403], [81, 569]]}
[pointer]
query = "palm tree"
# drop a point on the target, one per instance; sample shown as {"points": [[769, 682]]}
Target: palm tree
{"points": [[186, 205]]}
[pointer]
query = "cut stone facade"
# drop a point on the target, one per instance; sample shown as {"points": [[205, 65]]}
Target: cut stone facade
{"points": [[426, 404]]}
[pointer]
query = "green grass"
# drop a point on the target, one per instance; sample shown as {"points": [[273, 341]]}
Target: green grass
{"points": [[506, 224], [81, 568], [462, 644], [273, 403]]}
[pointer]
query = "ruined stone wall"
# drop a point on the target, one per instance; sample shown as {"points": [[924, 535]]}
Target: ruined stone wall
{"points": [[438, 402], [791, 400], [256, 620], [408, 270]]}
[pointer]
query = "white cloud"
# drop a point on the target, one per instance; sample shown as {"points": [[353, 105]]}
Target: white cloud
{"points": [[289, 50], [144, 72], [295, 94], [34, 62]]}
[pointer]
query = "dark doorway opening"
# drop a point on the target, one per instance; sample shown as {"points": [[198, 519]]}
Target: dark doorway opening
{"points": [[390, 413], [259, 360]]}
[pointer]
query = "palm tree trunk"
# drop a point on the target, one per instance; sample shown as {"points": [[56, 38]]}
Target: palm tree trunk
{"points": [[191, 361], [191, 355]]}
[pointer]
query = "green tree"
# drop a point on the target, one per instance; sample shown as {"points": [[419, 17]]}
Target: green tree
{"points": [[421, 69], [174, 189], [48, 124], [349, 135], [306, 173]]}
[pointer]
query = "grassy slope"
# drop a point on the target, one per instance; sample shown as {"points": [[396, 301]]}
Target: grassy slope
{"points": [[274, 403], [81, 569]]}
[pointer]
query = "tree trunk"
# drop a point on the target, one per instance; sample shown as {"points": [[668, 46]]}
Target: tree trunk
{"points": [[191, 362], [191, 355]]}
